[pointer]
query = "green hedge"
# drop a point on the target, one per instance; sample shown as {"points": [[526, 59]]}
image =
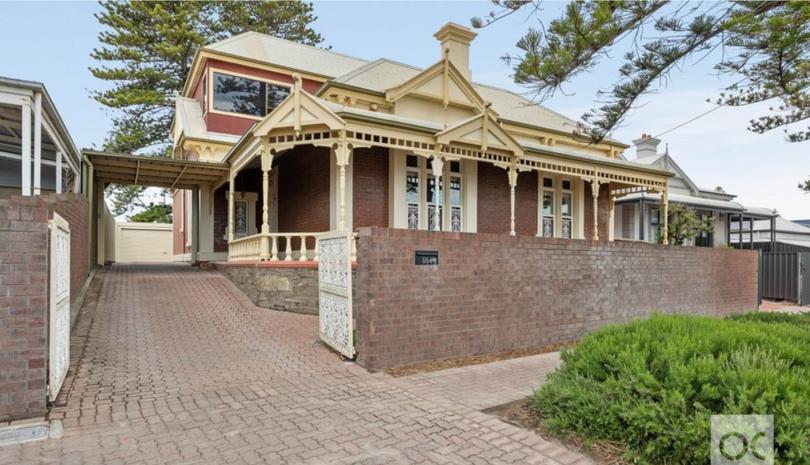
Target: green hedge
{"points": [[654, 384]]}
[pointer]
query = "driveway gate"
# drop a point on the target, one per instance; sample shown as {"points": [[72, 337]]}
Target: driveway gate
{"points": [[786, 275], [59, 305], [335, 316]]}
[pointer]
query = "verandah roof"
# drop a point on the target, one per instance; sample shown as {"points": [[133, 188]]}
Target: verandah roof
{"points": [[154, 172]]}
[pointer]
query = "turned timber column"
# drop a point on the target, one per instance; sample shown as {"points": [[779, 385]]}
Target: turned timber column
{"points": [[343, 153], [264, 240], [595, 194], [665, 205], [231, 189], [437, 165], [513, 175]]}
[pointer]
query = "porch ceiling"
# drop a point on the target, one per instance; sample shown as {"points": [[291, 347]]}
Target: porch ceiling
{"points": [[154, 172]]}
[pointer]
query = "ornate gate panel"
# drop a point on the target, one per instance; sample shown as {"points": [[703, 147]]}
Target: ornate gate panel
{"points": [[335, 292], [59, 305]]}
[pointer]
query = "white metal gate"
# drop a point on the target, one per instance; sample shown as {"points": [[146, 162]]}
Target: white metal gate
{"points": [[335, 292], [59, 305]]}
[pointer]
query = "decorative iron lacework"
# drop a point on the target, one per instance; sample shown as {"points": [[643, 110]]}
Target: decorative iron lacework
{"points": [[335, 292]]}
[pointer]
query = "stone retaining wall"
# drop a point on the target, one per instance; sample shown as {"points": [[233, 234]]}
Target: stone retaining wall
{"points": [[492, 293], [288, 287]]}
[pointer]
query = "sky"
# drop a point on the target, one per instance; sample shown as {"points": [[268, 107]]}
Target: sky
{"points": [[51, 42]]}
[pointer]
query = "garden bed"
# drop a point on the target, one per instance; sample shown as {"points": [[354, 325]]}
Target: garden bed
{"points": [[649, 388]]}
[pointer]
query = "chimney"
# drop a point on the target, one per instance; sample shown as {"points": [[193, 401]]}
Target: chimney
{"points": [[646, 146], [455, 41]]}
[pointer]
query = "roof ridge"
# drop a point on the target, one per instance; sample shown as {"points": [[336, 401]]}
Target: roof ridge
{"points": [[281, 39]]}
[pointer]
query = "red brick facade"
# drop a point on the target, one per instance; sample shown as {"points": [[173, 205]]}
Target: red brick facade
{"points": [[493, 293], [370, 187], [24, 242], [303, 190]]}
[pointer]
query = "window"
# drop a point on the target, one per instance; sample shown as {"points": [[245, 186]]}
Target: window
{"points": [[238, 94], [655, 224], [455, 196], [567, 210], [445, 197], [548, 208], [240, 218], [412, 191], [205, 93]]}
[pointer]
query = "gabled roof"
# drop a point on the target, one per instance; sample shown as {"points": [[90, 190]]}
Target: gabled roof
{"points": [[287, 54], [383, 74], [441, 80], [666, 162], [299, 109], [482, 130]]}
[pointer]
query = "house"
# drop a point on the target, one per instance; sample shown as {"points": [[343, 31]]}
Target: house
{"points": [[37, 154], [316, 140], [781, 235], [639, 216]]}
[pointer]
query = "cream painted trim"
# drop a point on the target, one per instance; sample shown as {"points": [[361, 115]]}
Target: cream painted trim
{"points": [[469, 191], [577, 203], [397, 207], [211, 108], [334, 197]]}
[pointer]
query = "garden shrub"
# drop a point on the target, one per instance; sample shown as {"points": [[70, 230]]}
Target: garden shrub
{"points": [[653, 385]]}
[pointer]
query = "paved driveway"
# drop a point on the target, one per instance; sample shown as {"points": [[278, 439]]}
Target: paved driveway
{"points": [[179, 367]]}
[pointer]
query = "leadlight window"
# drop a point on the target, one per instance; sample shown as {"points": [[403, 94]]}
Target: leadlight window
{"points": [[412, 191], [433, 201], [455, 197], [247, 96], [240, 218], [655, 224], [566, 210], [548, 208]]}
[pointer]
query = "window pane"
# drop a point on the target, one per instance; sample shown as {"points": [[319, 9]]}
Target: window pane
{"points": [[455, 167], [431, 193], [566, 185], [238, 94], [548, 226], [548, 182], [413, 216], [548, 203], [412, 188], [432, 217], [566, 204], [240, 227], [455, 219], [566, 228], [275, 95], [412, 161], [455, 191]]}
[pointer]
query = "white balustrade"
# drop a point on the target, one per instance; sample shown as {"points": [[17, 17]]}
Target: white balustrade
{"points": [[286, 247]]}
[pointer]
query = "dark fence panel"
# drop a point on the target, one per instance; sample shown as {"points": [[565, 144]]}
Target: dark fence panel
{"points": [[780, 275]]}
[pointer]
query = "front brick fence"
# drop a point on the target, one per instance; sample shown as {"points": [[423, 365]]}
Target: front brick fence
{"points": [[492, 293], [24, 294]]}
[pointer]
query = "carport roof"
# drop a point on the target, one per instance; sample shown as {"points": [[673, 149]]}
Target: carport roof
{"points": [[123, 168]]}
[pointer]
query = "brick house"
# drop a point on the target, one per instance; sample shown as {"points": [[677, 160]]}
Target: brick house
{"points": [[317, 141]]}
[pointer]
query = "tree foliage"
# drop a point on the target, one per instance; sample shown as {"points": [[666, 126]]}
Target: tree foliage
{"points": [[146, 53], [765, 45], [685, 224], [154, 213]]}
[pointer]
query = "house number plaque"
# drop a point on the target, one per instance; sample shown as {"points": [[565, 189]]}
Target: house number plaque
{"points": [[427, 257]]}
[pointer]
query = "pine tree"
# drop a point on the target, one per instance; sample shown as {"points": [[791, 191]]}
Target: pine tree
{"points": [[146, 53], [766, 48]]}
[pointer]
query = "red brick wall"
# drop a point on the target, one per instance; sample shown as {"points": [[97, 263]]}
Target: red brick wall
{"points": [[493, 201], [493, 293], [24, 243], [604, 211], [303, 190], [370, 187]]}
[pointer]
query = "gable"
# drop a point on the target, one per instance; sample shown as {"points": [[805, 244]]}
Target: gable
{"points": [[481, 130], [442, 82], [298, 110]]}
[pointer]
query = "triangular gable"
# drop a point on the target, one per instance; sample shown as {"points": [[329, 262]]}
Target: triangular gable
{"points": [[298, 110], [442, 81], [668, 163], [482, 130]]}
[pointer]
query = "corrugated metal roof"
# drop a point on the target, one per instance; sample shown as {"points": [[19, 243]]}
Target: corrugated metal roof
{"points": [[288, 54]]}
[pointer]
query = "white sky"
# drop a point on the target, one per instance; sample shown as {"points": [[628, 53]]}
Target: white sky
{"points": [[716, 150]]}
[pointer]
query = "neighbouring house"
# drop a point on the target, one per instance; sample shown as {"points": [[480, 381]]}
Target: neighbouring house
{"points": [[781, 235], [37, 154], [315, 140], [639, 216]]}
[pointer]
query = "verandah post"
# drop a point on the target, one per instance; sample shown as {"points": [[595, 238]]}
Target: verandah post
{"points": [[665, 202], [437, 166], [512, 175], [595, 194], [264, 240], [342, 154], [231, 189]]}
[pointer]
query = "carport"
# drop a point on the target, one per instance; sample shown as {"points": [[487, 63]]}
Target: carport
{"points": [[104, 168]]}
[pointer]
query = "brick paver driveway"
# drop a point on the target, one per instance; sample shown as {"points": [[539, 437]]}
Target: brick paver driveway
{"points": [[179, 367]]}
